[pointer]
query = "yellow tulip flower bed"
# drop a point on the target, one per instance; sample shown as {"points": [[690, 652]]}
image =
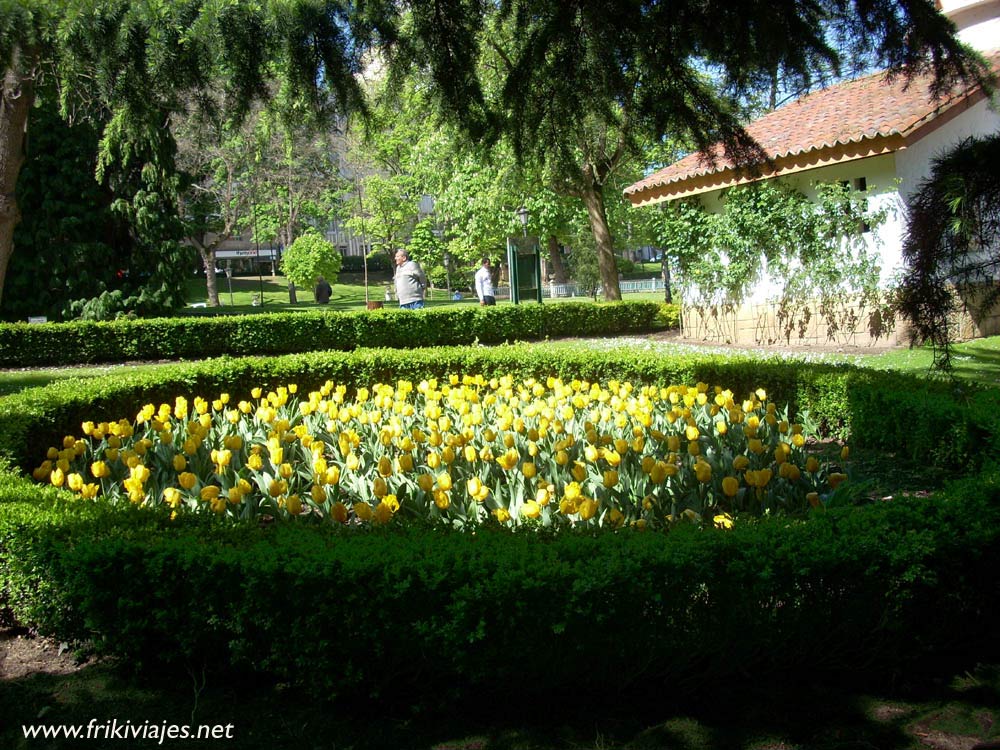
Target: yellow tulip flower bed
{"points": [[464, 450]]}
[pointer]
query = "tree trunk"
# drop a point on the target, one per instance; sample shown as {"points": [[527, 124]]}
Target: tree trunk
{"points": [[668, 296], [559, 275], [16, 96], [593, 198], [208, 262]]}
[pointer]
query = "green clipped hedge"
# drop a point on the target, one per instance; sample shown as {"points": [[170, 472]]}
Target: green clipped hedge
{"points": [[24, 345], [943, 425], [860, 591], [863, 590]]}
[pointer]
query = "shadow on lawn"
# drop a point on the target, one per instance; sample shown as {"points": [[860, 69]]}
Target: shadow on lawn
{"points": [[751, 716]]}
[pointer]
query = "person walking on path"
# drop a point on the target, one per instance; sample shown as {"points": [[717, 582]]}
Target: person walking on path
{"points": [[323, 291], [410, 282], [484, 284]]}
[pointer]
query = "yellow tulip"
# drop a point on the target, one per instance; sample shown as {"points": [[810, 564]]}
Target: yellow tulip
{"points": [[730, 486], [587, 508], [444, 481], [425, 482], [723, 521], [363, 511], [172, 497], [531, 509], [187, 480], [210, 492], [382, 513], [441, 499], [610, 478], [293, 505], [567, 507], [338, 512]]}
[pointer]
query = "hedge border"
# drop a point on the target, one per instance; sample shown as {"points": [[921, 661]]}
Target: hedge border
{"points": [[855, 586], [404, 610], [48, 344], [944, 424]]}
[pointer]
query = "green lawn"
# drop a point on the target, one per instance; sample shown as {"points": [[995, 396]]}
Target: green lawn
{"points": [[348, 294], [977, 360]]}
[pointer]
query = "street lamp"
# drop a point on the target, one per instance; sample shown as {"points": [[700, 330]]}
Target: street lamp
{"points": [[522, 214]]}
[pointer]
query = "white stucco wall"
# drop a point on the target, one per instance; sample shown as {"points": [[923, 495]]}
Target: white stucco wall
{"points": [[894, 177], [880, 175], [913, 163], [978, 21]]}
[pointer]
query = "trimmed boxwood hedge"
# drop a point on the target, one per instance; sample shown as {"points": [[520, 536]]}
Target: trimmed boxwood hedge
{"points": [[24, 345], [425, 612], [941, 424], [863, 590]]}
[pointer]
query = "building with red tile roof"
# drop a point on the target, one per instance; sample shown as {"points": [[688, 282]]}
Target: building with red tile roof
{"points": [[873, 132]]}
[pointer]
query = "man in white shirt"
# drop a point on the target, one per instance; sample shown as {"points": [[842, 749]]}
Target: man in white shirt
{"points": [[484, 284]]}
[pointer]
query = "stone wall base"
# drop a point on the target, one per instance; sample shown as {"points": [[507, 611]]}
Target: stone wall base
{"points": [[849, 324]]}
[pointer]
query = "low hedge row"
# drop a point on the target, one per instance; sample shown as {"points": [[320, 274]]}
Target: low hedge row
{"points": [[407, 609], [942, 425], [24, 345], [422, 612]]}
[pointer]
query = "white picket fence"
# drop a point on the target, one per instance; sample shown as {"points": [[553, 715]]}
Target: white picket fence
{"points": [[555, 291]]}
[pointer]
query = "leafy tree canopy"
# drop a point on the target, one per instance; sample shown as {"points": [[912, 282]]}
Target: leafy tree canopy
{"points": [[581, 85], [309, 257]]}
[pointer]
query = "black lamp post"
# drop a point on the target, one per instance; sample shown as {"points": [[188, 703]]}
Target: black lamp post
{"points": [[523, 214]]}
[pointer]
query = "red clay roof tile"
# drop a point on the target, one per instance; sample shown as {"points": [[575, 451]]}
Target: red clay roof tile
{"points": [[850, 112]]}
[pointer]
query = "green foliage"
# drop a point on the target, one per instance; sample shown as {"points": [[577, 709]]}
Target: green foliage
{"points": [[310, 257], [954, 215], [192, 338], [378, 262], [89, 249], [428, 250], [444, 612], [69, 245], [816, 249], [385, 212]]}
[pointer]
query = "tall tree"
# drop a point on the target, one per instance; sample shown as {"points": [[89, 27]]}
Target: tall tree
{"points": [[585, 82], [130, 64], [216, 159]]}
